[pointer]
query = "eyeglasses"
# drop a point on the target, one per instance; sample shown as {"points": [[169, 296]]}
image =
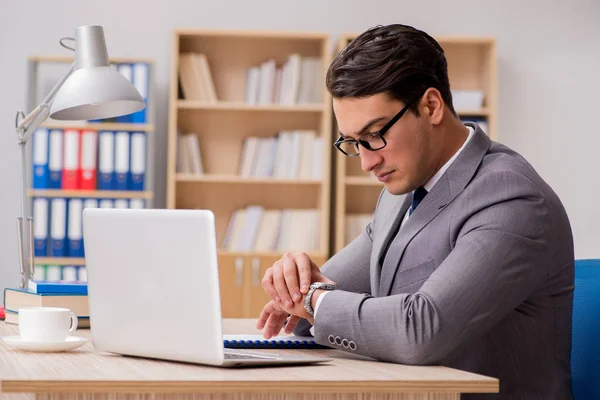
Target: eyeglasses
{"points": [[370, 141]]}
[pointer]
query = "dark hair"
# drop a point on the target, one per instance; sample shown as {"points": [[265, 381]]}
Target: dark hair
{"points": [[395, 59]]}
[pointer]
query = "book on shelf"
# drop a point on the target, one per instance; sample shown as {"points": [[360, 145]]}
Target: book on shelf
{"points": [[295, 154], [298, 81], [189, 158], [255, 228], [195, 77]]}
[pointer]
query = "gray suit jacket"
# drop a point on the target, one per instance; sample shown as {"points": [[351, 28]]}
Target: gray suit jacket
{"points": [[480, 277]]}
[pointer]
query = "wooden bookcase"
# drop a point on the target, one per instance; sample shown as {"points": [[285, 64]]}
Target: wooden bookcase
{"points": [[39, 81], [471, 66], [221, 126]]}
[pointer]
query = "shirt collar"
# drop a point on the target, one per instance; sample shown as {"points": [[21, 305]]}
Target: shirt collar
{"points": [[429, 185]]}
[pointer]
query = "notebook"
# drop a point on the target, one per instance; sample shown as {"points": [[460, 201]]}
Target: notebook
{"points": [[277, 342]]}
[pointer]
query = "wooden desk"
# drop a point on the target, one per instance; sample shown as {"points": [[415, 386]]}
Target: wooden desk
{"points": [[86, 374]]}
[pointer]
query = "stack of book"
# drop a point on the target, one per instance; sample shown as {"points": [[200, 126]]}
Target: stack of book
{"points": [[71, 295]]}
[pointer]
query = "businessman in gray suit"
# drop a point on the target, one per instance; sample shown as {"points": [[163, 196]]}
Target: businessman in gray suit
{"points": [[468, 261]]}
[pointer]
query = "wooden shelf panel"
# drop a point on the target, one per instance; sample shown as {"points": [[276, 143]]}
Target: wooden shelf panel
{"points": [[240, 106], [483, 112], [361, 199], [270, 254], [254, 34], [92, 194], [225, 178], [362, 181], [102, 126], [59, 261], [69, 59]]}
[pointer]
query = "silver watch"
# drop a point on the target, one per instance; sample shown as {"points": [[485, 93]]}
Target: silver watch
{"points": [[308, 297]]}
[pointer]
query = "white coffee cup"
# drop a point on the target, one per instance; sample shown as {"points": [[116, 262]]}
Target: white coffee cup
{"points": [[46, 324]]}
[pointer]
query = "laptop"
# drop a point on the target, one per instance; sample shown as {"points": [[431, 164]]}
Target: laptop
{"points": [[153, 288]]}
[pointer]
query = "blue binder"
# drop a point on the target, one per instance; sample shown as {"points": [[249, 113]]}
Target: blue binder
{"points": [[138, 160], [106, 160], [41, 152], [141, 82]]}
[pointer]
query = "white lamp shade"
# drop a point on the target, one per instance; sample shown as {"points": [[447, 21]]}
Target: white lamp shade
{"points": [[96, 93]]}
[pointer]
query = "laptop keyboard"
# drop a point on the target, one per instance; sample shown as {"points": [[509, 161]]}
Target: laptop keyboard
{"points": [[238, 356]]}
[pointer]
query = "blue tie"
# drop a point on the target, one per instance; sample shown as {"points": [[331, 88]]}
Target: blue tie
{"points": [[418, 195]]}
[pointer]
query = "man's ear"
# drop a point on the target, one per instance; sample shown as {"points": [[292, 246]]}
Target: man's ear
{"points": [[432, 106]]}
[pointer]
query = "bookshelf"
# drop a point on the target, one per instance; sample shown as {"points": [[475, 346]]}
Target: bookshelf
{"points": [[43, 72], [237, 113], [471, 67]]}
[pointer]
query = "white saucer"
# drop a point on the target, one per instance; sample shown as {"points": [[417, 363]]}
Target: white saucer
{"points": [[70, 343]]}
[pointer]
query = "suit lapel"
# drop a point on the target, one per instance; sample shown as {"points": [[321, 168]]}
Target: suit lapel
{"points": [[391, 222], [443, 192]]}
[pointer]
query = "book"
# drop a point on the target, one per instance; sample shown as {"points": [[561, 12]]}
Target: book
{"points": [[42, 287], [277, 342]]}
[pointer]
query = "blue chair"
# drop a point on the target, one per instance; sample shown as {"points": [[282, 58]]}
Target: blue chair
{"points": [[585, 352]]}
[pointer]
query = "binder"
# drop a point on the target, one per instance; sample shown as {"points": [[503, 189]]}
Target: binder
{"points": [[127, 71], [106, 160], [138, 160], [70, 173], [55, 159], [88, 154], [58, 222], [122, 160], [122, 203], [75, 229], [137, 203], [40, 226], [141, 83], [277, 342], [106, 203], [87, 203], [40, 158]]}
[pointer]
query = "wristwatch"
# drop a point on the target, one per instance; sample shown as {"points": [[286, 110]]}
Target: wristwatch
{"points": [[308, 297]]}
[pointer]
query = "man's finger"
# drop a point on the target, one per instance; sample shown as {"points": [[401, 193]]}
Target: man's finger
{"points": [[280, 285], [267, 310], [291, 324], [267, 283], [290, 273], [304, 271], [275, 323]]}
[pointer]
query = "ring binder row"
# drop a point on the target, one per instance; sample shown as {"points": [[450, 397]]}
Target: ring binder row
{"points": [[256, 344], [300, 343]]}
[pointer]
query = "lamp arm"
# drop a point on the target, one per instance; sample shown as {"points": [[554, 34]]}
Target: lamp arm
{"points": [[25, 128], [28, 125]]}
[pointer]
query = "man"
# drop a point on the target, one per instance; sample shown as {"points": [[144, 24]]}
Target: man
{"points": [[468, 261]]}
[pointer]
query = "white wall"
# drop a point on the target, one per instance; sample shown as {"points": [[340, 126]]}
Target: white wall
{"points": [[548, 72]]}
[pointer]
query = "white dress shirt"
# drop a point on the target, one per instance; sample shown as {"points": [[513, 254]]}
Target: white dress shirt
{"points": [[428, 186]]}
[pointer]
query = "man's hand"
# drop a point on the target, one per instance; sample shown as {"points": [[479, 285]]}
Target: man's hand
{"points": [[289, 279], [273, 317]]}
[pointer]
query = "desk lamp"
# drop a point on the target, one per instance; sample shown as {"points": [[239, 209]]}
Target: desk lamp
{"points": [[91, 89]]}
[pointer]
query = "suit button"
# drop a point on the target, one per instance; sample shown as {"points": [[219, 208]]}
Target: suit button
{"points": [[338, 340], [345, 343], [352, 345], [331, 339]]}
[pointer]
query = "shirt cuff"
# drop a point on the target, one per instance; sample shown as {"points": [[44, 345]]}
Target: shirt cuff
{"points": [[319, 300]]}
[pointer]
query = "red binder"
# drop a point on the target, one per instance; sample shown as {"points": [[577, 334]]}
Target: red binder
{"points": [[70, 172]]}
